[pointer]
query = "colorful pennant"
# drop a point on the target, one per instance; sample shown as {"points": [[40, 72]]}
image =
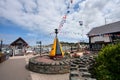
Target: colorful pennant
{"points": [[64, 17], [71, 1], [81, 23]]}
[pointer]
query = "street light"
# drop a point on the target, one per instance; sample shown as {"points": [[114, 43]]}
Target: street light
{"points": [[40, 43], [1, 41]]}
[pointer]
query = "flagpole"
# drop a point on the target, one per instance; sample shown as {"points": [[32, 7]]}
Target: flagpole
{"points": [[105, 21]]}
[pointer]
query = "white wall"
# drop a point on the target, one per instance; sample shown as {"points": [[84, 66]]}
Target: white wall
{"points": [[100, 38]]}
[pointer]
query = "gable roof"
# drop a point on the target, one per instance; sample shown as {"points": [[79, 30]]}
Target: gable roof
{"points": [[19, 39], [108, 28]]}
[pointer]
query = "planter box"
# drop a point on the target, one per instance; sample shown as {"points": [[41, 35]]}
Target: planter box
{"points": [[2, 58]]}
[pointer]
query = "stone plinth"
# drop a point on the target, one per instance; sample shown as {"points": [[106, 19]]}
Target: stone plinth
{"points": [[48, 66]]}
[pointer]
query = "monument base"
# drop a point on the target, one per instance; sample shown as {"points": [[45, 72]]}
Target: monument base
{"points": [[48, 66]]}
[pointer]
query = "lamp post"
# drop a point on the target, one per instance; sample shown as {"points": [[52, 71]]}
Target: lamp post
{"points": [[40, 44], [56, 32], [71, 49], [1, 41]]}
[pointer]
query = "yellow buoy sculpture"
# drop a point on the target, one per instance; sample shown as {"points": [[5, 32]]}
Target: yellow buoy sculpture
{"points": [[56, 50]]}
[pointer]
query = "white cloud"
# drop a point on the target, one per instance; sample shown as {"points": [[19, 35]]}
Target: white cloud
{"points": [[43, 16]]}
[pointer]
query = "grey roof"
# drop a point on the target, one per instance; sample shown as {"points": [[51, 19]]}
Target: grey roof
{"points": [[108, 28]]}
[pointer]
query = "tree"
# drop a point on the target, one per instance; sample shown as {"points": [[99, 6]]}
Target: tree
{"points": [[107, 65]]}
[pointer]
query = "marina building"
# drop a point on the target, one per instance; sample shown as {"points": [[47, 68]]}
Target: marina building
{"points": [[103, 35]]}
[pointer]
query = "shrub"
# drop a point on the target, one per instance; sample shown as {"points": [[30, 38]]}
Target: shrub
{"points": [[67, 55], [108, 63]]}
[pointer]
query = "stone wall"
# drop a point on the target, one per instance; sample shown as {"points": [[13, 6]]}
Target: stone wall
{"points": [[49, 68]]}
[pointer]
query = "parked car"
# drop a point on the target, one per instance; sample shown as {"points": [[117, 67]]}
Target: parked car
{"points": [[7, 51], [29, 51]]}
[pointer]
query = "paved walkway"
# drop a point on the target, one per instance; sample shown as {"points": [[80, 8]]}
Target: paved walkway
{"points": [[14, 69], [37, 76]]}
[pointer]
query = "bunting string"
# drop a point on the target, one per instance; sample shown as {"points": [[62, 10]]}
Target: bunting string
{"points": [[63, 21]]}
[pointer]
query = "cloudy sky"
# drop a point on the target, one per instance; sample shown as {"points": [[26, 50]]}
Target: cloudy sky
{"points": [[35, 20]]}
